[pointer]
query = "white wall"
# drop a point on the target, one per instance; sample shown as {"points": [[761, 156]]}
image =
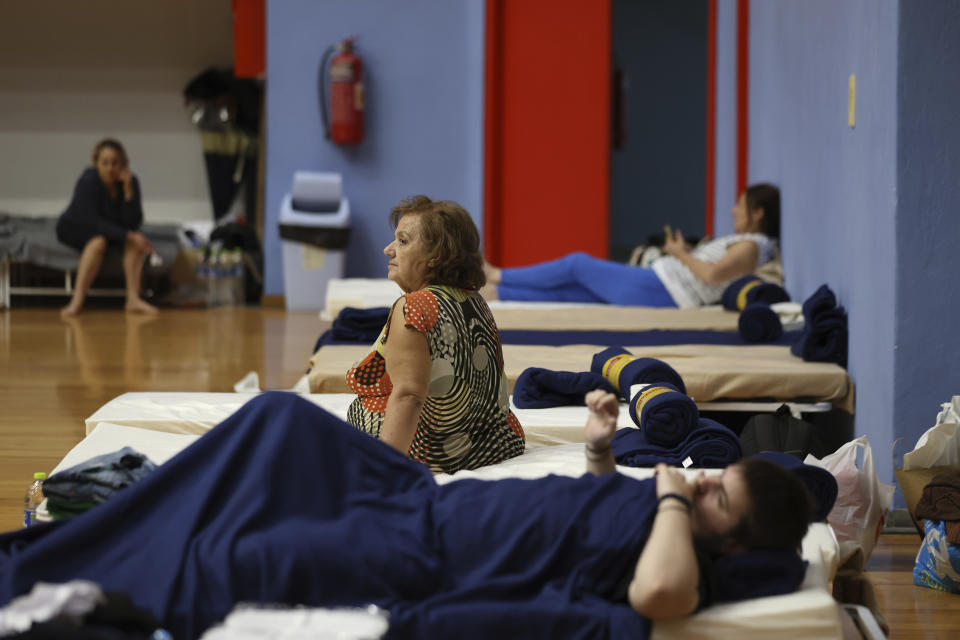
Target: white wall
{"points": [[72, 73]]}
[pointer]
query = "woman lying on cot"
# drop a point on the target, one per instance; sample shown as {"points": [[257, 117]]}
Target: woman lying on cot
{"points": [[284, 503], [105, 211], [684, 277], [433, 387]]}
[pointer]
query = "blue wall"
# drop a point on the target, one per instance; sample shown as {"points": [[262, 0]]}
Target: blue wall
{"points": [[928, 217], [424, 112], [872, 210], [839, 185]]}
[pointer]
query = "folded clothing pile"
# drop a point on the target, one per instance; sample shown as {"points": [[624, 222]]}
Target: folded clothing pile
{"points": [[72, 491], [938, 562]]}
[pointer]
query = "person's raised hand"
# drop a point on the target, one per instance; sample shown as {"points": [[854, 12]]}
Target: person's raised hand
{"points": [[674, 244], [125, 176], [671, 480], [602, 421]]}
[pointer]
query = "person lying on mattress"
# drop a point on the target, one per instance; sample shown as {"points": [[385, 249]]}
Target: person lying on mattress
{"points": [[683, 278], [283, 503], [753, 504], [105, 211], [433, 387]]}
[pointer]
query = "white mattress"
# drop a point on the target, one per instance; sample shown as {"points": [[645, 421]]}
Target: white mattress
{"points": [[810, 612], [366, 293], [196, 413]]}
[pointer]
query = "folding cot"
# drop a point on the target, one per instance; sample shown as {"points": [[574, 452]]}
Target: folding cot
{"points": [[710, 372], [27, 242], [365, 293], [808, 612], [720, 377]]}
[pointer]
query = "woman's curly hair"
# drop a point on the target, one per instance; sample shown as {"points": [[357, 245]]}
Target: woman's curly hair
{"points": [[451, 238]]}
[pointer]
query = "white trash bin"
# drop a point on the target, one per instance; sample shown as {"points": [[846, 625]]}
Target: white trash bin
{"points": [[315, 230]]}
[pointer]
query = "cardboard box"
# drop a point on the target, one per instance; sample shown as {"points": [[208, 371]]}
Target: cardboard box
{"points": [[912, 483], [184, 268]]}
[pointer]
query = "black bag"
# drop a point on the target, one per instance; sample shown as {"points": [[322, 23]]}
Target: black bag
{"points": [[780, 431]]}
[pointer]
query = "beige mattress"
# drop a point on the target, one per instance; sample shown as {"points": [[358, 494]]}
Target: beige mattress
{"points": [[810, 612], [195, 413], [365, 293], [710, 372]]}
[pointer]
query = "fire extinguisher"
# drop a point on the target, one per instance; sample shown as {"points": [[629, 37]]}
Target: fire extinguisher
{"points": [[344, 124]]}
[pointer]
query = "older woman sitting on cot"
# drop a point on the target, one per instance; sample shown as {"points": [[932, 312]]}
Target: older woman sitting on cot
{"points": [[684, 277], [433, 387]]}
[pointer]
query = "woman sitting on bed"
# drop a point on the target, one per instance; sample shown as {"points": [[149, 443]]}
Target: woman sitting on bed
{"points": [[684, 277], [104, 212], [433, 387]]}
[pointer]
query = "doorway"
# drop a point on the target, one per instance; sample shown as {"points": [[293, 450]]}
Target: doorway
{"points": [[658, 155]]}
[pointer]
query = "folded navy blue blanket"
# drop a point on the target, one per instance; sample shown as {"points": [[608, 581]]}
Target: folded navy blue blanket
{"points": [[757, 573], [749, 289], [622, 369], [710, 444], [355, 325], [538, 388], [825, 334], [821, 483], [758, 323], [664, 414]]}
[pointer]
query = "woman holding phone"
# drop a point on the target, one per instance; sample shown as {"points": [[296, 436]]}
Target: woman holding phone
{"points": [[105, 213], [684, 277]]}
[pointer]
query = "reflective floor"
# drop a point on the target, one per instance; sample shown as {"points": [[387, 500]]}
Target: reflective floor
{"points": [[55, 373]]}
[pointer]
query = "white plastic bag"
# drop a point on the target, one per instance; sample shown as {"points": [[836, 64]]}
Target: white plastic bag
{"points": [[939, 445], [862, 500]]}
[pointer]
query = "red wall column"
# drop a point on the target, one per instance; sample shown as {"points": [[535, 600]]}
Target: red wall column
{"points": [[743, 92], [547, 138], [249, 38]]}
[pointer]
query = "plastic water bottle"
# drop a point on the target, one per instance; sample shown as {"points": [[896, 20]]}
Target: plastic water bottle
{"points": [[236, 278], [33, 498]]}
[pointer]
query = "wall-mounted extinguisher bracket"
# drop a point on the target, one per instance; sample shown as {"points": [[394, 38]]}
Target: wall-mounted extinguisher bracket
{"points": [[344, 125]]}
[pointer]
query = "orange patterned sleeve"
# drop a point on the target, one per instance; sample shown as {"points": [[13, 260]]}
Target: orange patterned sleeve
{"points": [[421, 310]]}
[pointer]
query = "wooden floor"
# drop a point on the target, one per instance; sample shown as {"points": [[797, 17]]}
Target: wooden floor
{"points": [[53, 374]]}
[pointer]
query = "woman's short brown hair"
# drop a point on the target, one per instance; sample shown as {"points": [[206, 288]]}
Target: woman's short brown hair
{"points": [[110, 143], [451, 238]]}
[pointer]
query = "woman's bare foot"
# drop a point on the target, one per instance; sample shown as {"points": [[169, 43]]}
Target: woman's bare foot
{"points": [[72, 310], [140, 306]]}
